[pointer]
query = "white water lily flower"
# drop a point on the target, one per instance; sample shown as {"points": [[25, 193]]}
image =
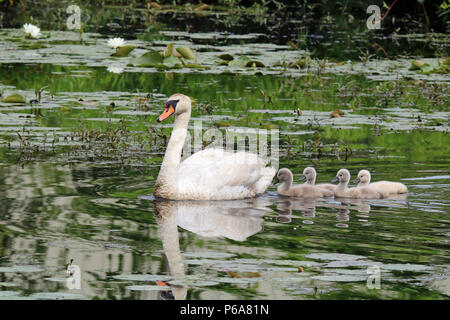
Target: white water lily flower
{"points": [[115, 69], [32, 30], [116, 42]]}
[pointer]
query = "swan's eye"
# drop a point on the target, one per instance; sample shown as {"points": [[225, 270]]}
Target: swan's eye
{"points": [[171, 103]]}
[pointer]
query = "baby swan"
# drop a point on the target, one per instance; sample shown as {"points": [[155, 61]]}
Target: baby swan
{"points": [[309, 174], [385, 187], [285, 177], [343, 176]]}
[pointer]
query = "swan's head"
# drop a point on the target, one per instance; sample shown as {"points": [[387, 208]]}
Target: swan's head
{"points": [[309, 174], [176, 104], [363, 177], [343, 176], [284, 175]]}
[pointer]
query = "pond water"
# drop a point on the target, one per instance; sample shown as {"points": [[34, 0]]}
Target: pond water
{"points": [[78, 167]]}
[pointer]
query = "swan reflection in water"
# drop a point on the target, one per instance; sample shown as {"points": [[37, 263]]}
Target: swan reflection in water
{"points": [[236, 220], [233, 219]]}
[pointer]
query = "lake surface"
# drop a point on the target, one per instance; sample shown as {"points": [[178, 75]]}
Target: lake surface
{"points": [[78, 165]]}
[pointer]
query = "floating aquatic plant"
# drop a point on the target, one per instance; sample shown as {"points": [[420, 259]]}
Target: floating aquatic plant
{"points": [[116, 43], [14, 98], [170, 58], [427, 68], [31, 30], [241, 61], [121, 49]]}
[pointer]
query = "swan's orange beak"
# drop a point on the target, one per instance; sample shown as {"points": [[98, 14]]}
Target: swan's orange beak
{"points": [[168, 110]]}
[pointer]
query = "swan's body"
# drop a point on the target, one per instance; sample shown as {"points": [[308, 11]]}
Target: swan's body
{"points": [[385, 187], [210, 174], [309, 174], [342, 191], [286, 188]]}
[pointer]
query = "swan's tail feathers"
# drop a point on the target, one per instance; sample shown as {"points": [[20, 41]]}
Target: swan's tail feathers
{"points": [[266, 179]]}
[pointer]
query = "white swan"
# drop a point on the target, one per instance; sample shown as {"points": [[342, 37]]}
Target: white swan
{"points": [[343, 177], [210, 174], [285, 177], [385, 187], [309, 174]]}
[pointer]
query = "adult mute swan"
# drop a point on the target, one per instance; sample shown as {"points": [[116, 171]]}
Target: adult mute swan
{"points": [[210, 174], [309, 174], [285, 178], [385, 187], [343, 177]]}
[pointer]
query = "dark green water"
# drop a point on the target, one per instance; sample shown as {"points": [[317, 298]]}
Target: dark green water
{"points": [[77, 172]]}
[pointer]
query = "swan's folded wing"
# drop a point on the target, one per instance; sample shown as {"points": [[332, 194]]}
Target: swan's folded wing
{"points": [[215, 170]]}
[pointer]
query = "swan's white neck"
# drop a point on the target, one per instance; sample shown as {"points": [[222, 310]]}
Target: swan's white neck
{"points": [[312, 180], [168, 174], [342, 186], [285, 185]]}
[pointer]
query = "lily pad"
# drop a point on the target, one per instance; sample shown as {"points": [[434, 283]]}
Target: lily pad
{"points": [[416, 65], [406, 267], [333, 256], [196, 66], [21, 269], [427, 68], [123, 51], [208, 254], [241, 61], [148, 59], [171, 60], [226, 57], [9, 293], [193, 283], [57, 296], [56, 279], [14, 98], [283, 269], [340, 278], [8, 284], [186, 53], [147, 288], [351, 263], [238, 280], [255, 64], [142, 277]]}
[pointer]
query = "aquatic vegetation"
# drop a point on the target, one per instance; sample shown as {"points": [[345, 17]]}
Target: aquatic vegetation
{"points": [[123, 51], [427, 68], [115, 43], [171, 58], [14, 98], [31, 30]]}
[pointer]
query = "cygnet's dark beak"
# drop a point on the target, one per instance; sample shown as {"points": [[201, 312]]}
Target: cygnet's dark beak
{"points": [[335, 179], [277, 181], [303, 177], [357, 180]]}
